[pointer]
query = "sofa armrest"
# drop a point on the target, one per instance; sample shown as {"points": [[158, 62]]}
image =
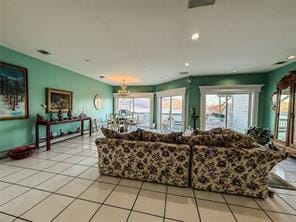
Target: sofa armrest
{"points": [[101, 141], [232, 170]]}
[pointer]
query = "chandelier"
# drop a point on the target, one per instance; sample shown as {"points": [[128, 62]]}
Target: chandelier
{"points": [[123, 89]]}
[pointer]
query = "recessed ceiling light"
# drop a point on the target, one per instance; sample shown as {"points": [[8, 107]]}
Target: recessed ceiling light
{"points": [[292, 57], [195, 36], [187, 64], [87, 60], [102, 77], [234, 71]]}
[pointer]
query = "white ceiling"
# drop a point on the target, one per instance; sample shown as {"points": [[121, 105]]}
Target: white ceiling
{"points": [[148, 41]]}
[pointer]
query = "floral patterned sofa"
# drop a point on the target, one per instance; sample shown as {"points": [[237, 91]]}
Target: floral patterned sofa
{"points": [[156, 159], [218, 160], [230, 162]]}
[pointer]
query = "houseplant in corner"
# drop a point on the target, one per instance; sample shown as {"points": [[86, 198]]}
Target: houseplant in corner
{"points": [[262, 135]]}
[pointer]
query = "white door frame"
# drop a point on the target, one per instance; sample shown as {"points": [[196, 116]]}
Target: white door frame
{"points": [[137, 95], [169, 93], [254, 90]]}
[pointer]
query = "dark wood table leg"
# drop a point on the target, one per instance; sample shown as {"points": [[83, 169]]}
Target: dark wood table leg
{"points": [[47, 137], [82, 127], [36, 135], [90, 127]]}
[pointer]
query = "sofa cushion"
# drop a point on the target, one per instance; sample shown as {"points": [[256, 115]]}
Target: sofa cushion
{"points": [[218, 130], [157, 137], [219, 140], [111, 134]]}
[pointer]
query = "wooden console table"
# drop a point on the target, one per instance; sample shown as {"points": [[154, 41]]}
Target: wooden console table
{"points": [[48, 124]]}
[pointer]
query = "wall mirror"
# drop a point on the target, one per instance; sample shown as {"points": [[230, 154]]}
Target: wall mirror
{"points": [[98, 102], [285, 121]]}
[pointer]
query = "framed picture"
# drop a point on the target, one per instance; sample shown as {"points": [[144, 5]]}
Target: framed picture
{"points": [[57, 99], [13, 92]]}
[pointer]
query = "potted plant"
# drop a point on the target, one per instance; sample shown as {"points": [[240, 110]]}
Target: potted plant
{"points": [[261, 135]]}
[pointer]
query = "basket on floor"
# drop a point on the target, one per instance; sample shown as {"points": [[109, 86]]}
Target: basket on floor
{"points": [[21, 152]]}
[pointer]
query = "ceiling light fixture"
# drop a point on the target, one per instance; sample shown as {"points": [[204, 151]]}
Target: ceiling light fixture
{"points": [[195, 36], [292, 57], [234, 71], [102, 77], [123, 89], [187, 63], [87, 60]]}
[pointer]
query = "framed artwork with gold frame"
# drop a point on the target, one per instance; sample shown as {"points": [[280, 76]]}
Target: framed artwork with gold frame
{"points": [[57, 99]]}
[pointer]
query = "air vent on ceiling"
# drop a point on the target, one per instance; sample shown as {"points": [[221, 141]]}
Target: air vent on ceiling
{"points": [[199, 3], [44, 52], [280, 63], [183, 73]]}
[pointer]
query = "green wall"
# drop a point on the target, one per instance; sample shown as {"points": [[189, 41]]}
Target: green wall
{"points": [[272, 79], [41, 75]]}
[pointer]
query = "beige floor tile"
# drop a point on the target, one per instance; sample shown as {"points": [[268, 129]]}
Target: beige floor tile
{"points": [[243, 214], [130, 183], [75, 170], [98, 192], [289, 199], [211, 211], [181, 208], [154, 187], [278, 217], [36, 179], [138, 217], [123, 197], [88, 161], [25, 162], [43, 165], [6, 218], [275, 204], [24, 202], [73, 151], [11, 192], [75, 187], [91, 174], [9, 170], [110, 214], [61, 157], [207, 195], [150, 202], [241, 200], [78, 211], [3, 166], [109, 179], [74, 159], [58, 167], [3, 185], [20, 175], [48, 208], [45, 155], [54, 183], [186, 191]]}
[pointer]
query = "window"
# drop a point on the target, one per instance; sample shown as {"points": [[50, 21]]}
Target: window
{"points": [[171, 109], [140, 103], [233, 107]]}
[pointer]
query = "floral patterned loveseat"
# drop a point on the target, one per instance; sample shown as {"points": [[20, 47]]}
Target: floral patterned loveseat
{"points": [[230, 162], [144, 156]]}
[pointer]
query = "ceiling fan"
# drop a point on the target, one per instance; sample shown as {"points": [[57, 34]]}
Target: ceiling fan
{"points": [[199, 3]]}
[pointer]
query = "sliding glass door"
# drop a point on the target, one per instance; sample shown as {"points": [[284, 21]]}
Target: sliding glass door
{"points": [[228, 111], [142, 106], [171, 113]]}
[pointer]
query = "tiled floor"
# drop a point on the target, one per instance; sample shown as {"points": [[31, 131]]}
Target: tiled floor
{"points": [[64, 185]]}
